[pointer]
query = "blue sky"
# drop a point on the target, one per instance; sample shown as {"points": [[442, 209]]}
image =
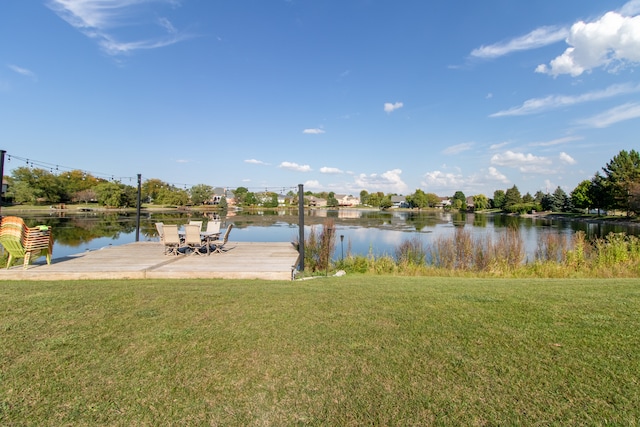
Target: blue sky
{"points": [[336, 95]]}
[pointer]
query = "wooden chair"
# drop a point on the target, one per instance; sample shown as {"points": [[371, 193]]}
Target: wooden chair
{"points": [[171, 239], [25, 242], [218, 245]]}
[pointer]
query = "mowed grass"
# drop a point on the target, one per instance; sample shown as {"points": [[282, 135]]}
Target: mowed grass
{"points": [[342, 351]]}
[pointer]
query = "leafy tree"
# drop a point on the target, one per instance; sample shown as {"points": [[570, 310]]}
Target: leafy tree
{"points": [[581, 195], [38, 185], [74, 182], [480, 201], [600, 193], [432, 199], [151, 188], [364, 197], [201, 193], [512, 197], [622, 172], [331, 200], [418, 199], [459, 200], [385, 202], [499, 199], [537, 199], [241, 195], [271, 200], [110, 194], [250, 199], [528, 198]]}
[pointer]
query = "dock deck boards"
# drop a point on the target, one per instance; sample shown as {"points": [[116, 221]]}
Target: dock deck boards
{"points": [[146, 260]]}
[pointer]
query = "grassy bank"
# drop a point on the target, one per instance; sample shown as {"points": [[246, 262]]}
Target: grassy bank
{"points": [[337, 351]]}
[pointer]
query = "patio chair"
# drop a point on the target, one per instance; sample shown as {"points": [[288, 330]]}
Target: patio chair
{"points": [[193, 240], [159, 226], [171, 239], [218, 245], [198, 223], [213, 227]]}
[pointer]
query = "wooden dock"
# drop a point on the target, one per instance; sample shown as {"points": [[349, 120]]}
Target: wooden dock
{"points": [[146, 260]]}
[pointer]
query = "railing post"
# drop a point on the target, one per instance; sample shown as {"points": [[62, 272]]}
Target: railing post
{"points": [[301, 226], [138, 209]]}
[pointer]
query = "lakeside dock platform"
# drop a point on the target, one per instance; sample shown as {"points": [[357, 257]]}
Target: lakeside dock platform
{"points": [[146, 260]]}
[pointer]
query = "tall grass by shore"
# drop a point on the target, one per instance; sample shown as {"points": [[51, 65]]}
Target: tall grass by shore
{"points": [[347, 351], [463, 253]]}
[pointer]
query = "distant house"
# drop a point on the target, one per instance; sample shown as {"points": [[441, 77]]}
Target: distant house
{"points": [[316, 202], [444, 202], [284, 199], [399, 202], [219, 193], [347, 200], [470, 204]]}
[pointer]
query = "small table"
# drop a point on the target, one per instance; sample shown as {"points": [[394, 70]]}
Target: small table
{"points": [[205, 236]]}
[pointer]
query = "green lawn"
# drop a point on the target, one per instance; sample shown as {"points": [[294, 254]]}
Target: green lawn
{"points": [[342, 351]]}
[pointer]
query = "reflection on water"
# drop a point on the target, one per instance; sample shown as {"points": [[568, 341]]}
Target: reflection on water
{"points": [[365, 231]]}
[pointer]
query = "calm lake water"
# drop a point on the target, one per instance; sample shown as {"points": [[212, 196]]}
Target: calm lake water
{"points": [[364, 231]]}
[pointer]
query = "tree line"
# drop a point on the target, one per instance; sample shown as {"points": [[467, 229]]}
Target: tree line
{"points": [[616, 187]]}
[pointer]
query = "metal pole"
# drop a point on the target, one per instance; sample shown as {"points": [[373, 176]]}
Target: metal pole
{"points": [[138, 209], [342, 246], [301, 226], [2, 153]]}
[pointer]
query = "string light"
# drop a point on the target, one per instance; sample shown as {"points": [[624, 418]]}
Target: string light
{"points": [[110, 177]]}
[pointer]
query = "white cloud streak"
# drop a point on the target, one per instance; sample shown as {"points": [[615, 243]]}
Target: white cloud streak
{"points": [[538, 105], [457, 149], [314, 131], [100, 20], [565, 158], [330, 170], [537, 38], [295, 167], [255, 162], [23, 71], [614, 115]]}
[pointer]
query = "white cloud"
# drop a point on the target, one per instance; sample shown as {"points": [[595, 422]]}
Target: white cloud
{"points": [[537, 105], [315, 131], [101, 19], [557, 141], [435, 181], [295, 167], [457, 149], [22, 71], [389, 107], [614, 115], [610, 42], [495, 175], [565, 158], [388, 182], [315, 184], [330, 170], [631, 8], [527, 163], [537, 38], [255, 162], [498, 145]]}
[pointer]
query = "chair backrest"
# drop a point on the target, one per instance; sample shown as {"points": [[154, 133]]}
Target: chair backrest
{"points": [[226, 233], [170, 235], [192, 234], [213, 226], [198, 223], [159, 226]]}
